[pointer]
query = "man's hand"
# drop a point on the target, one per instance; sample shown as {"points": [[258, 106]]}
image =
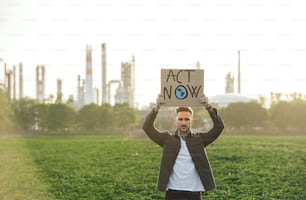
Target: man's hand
{"points": [[159, 101], [204, 102]]}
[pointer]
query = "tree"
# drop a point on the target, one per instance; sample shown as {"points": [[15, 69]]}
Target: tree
{"points": [[201, 117], [25, 112], [107, 117], [276, 97], [298, 110], [289, 114], [60, 117], [239, 115], [40, 116], [7, 117], [89, 117], [124, 116]]}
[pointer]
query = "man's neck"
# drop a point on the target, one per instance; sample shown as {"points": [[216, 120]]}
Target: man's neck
{"points": [[183, 134]]}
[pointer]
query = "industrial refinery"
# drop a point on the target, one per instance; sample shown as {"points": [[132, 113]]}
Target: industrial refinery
{"points": [[124, 87], [114, 91]]}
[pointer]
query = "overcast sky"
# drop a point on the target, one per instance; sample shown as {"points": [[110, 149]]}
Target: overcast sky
{"points": [[160, 34]]}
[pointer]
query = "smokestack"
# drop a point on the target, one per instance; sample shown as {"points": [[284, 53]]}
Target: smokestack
{"points": [[229, 87], [128, 79], [104, 86], [37, 82], [239, 75], [14, 82], [132, 98], [5, 76], [40, 83], [88, 96], [20, 81], [82, 92], [9, 84], [79, 93], [59, 91], [97, 101]]}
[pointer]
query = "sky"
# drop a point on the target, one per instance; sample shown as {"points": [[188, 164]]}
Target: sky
{"points": [[160, 34]]}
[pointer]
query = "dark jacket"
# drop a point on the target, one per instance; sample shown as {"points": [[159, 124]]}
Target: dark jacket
{"points": [[196, 142]]}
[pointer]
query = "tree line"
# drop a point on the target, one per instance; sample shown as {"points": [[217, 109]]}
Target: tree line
{"points": [[29, 115], [59, 117], [282, 116], [252, 117]]}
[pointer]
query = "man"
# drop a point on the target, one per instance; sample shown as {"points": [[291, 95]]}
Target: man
{"points": [[185, 171]]}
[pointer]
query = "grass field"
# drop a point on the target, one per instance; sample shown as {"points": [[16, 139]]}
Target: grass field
{"points": [[116, 167]]}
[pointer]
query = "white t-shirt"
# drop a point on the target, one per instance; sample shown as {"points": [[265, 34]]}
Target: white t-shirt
{"points": [[184, 175]]}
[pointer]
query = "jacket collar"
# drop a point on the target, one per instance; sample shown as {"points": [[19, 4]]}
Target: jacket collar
{"points": [[188, 135]]}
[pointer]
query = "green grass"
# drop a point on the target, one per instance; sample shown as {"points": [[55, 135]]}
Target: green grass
{"points": [[19, 175], [259, 167], [116, 167]]}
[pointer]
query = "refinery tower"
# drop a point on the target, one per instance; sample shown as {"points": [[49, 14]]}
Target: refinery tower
{"points": [[88, 93]]}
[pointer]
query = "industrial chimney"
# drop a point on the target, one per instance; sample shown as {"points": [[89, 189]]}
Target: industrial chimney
{"points": [[104, 86], [128, 79], [59, 92], [88, 96], [9, 83], [5, 77], [14, 82], [40, 83], [20, 81], [239, 75], [229, 87], [79, 100]]}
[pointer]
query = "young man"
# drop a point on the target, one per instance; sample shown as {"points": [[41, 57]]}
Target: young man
{"points": [[185, 171]]}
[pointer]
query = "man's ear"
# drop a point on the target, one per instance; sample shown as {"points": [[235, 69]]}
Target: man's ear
{"points": [[192, 121], [175, 121]]}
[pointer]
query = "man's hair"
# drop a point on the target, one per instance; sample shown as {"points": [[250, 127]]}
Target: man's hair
{"points": [[184, 109]]}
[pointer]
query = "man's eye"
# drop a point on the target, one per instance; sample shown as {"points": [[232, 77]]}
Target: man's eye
{"points": [[181, 119]]}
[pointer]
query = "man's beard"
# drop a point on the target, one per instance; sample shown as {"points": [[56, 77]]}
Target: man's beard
{"points": [[185, 129]]}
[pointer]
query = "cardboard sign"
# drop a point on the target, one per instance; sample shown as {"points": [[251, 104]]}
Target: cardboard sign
{"points": [[182, 87]]}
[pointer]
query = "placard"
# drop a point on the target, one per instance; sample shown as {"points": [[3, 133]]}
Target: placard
{"points": [[182, 87]]}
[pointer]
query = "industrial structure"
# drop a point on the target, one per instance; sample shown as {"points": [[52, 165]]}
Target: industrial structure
{"points": [[230, 79], [80, 92], [96, 96], [120, 93], [229, 85], [125, 85], [89, 88], [125, 91], [128, 80], [59, 93], [230, 96], [104, 90], [10, 82], [40, 83], [20, 81], [14, 82], [86, 94], [239, 74]]}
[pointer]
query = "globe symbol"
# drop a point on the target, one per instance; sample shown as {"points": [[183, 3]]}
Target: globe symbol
{"points": [[181, 92]]}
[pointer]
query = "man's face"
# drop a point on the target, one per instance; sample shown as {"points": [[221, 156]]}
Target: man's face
{"points": [[184, 121]]}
